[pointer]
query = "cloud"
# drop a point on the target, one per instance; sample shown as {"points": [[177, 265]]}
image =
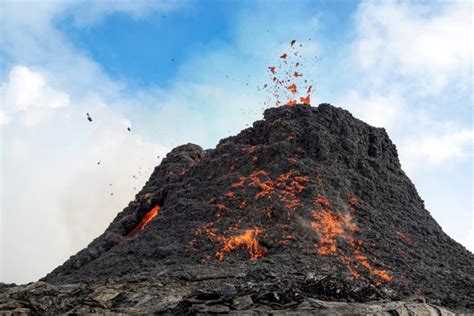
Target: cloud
{"points": [[375, 109], [58, 177], [427, 44], [435, 149], [26, 94]]}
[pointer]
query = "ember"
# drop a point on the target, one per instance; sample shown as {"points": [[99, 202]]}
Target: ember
{"points": [[284, 88]]}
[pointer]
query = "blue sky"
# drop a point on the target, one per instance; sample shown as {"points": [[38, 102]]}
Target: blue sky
{"points": [[149, 51], [188, 71]]}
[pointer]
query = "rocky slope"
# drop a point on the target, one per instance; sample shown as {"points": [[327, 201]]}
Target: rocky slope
{"points": [[308, 205]]}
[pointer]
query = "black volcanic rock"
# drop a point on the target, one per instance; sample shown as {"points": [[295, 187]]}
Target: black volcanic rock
{"points": [[309, 203]]}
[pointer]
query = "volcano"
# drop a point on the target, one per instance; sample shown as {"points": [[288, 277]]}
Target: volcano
{"points": [[309, 205]]}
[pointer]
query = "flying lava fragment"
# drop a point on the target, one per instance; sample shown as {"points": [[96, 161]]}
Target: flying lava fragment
{"points": [[287, 80], [292, 88]]}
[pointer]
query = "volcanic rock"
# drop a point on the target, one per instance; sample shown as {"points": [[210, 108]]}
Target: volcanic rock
{"points": [[307, 210]]}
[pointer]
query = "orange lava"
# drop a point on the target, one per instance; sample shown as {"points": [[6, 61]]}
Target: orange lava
{"points": [[292, 88], [334, 230], [331, 225], [323, 201], [306, 100], [246, 240], [284, 82], [381, 274], [145, 220]]}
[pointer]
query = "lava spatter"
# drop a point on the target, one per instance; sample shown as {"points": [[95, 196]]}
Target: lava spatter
{"points": [[286, 79]]}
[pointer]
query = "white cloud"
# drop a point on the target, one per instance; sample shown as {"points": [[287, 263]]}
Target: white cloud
{"points": [[435, 149], [429, 44], [375, 109], [4, 119], [55, 195], [26, 94]]}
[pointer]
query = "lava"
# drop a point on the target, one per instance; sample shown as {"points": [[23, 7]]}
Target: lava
{"points": [[292, 88], [305, 100], [331, 225], [145, 220], [246, 240], [335, 230], [285, 83]]}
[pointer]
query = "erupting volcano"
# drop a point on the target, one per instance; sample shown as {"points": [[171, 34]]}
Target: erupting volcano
{"points": [[309, 205], [307, 210]]}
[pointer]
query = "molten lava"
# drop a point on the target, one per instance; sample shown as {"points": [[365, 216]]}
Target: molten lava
{"points": [[145, 220], [305, 100], [331, 225], [335, 230], [287, 79], [246, 240]]}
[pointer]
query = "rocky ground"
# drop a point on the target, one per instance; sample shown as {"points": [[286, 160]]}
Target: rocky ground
{"points": [[309, 209], [190, 295]]}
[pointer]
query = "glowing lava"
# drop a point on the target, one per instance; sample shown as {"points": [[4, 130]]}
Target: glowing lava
{"points": [[336, 234], [331, 225], [246, 240], [285, 79], [145, 220]]}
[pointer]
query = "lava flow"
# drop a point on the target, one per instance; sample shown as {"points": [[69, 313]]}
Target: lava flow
{"points": [[145, 220], [247, 239], [336, 234]]}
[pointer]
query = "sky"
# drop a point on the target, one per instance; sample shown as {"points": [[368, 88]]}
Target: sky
{"points": [[176, 72]]}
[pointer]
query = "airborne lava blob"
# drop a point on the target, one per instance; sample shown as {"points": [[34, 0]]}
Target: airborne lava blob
{"points": [[287, 80]]}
